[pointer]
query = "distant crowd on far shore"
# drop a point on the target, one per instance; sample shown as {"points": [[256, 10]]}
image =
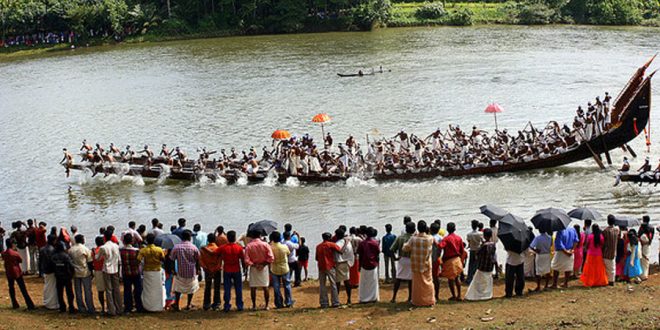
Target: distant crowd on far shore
{"points": [[155, 269]]}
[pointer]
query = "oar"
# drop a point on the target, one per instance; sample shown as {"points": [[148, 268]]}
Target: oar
{"points": [[596, 158], [631, 151], [607, 152]]}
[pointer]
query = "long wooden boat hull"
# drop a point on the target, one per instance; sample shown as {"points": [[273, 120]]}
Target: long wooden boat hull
{"points": [[636, 178], [634, 109]]}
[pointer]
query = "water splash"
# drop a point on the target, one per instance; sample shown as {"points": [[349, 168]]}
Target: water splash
{"points": [[85, 177], [357, 182], [138, 180], [292, 182], [220, 181], [242, 179], [271, 179], [164, 174]]}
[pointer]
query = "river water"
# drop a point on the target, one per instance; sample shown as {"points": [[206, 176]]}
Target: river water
{"points": [[235, 91]]}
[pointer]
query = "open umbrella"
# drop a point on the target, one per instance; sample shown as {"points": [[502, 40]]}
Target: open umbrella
{"points": [[494, 108], [492, 212], [624, 221], [557, 219], [585, 213], [321, 118], [513, 233], [167, 241], [281, 134], [264, 226]]}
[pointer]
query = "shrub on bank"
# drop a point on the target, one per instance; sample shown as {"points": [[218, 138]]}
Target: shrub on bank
{"points": [[460, 17], [431, 11]]}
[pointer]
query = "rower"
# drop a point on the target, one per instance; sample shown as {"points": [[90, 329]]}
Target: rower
{"points": [[181, 156], [360, 73], [645, 170], [148, 155], [350, 142], [622, 171], [113, 149], [128, 154], [327, 141], [100, 149], [164, 152], [67, 161], [86, 146]]}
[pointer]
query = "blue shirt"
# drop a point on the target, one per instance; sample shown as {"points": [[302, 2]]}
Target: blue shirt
{"points": [[293, 239], [387, 242], [565, 239], [542, 243], [200, 239]]}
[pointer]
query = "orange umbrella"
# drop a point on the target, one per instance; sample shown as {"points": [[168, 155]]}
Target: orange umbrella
{"points": [[321, 118], [281, 134]]}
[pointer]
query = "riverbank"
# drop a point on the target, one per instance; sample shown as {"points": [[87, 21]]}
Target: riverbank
{"points": [[402, 15], [575, 307]]}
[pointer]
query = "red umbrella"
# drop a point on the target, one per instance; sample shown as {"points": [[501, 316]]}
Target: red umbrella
{"points": [[494, 108]]}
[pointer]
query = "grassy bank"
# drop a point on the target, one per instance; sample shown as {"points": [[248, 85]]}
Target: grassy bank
{"points": [[403, 14], [576, 307]]}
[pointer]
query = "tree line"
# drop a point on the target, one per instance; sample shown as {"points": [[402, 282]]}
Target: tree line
{"points": [[119, 18]]}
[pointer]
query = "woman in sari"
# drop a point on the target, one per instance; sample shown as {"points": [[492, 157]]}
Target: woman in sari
{"points": [[594, 268]]}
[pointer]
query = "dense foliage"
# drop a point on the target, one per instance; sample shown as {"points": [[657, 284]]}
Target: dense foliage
{"points": [[123, 17], [120, 18], [431, 11], [603, 12]]}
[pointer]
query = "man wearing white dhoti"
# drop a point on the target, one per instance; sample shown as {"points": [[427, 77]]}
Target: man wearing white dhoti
{"points": [[153, 289], [565, 242], [369, 256], [481, 286], [47, 268]]}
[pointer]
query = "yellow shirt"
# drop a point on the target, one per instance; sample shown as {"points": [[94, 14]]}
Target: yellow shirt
{"points": [[280, 266], [153, 256]]}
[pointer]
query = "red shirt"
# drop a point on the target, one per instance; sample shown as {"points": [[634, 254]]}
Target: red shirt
{"points": [[41, 237], [452, 246], [325, 255], [12, 264], [209, 258], [97, 264], [113, 239], [232, 254]]}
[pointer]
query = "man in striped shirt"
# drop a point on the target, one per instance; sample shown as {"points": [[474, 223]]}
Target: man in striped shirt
{"points": [[130, 271], [185, 281]]}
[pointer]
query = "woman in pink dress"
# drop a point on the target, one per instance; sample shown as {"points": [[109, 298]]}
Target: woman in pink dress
{"points": [[594, 269], [578, 252]]}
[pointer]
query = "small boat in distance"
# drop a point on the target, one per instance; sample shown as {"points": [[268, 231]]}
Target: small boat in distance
{"points": [[361, 73]]}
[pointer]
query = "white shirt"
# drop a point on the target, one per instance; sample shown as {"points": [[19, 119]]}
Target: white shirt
{"points": [[514, 259], [110, 253], [157, 232], [347, 255]]}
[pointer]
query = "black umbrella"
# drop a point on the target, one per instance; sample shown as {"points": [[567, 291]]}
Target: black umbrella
{"points": [[492, 212], [264, 226], [513, 233], [585, 213], [557, 219], [624, 221], [167, 241]]}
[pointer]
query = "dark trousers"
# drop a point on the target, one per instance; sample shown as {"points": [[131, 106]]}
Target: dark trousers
{"points": [[294, 272], [514, 274], [472, 266], [235, 280], [212, 282], [62, 284], [133, 293], [24, 292]]}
